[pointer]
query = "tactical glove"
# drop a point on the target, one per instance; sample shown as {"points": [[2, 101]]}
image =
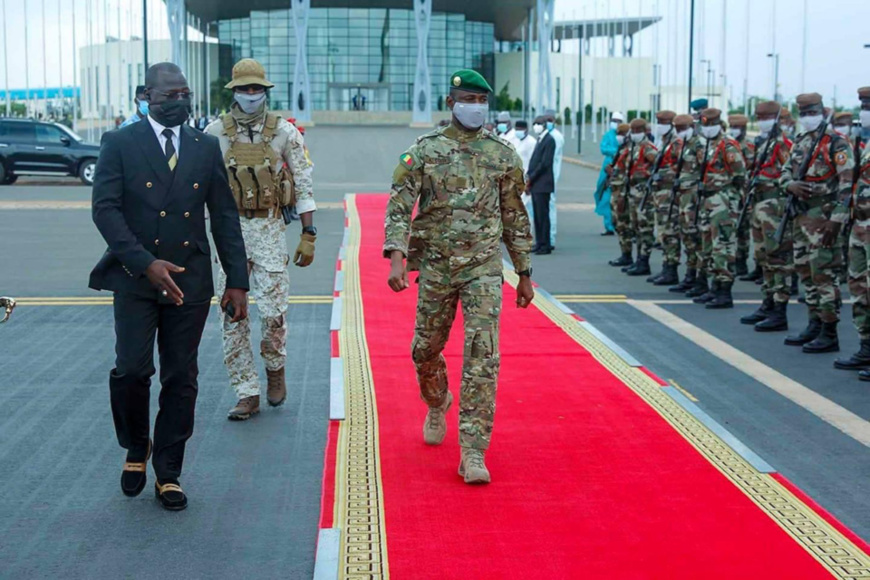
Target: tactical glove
{"points": [[304, 251]]}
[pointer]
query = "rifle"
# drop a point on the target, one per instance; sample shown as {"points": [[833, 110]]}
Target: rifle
{"points": [[647, 187], [759, 163], [700, 196], [676, 187], [791, 201], [856, 175], [613, 163]]}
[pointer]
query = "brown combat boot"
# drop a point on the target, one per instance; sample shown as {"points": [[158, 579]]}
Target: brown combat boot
{"points": [[435, 426], [276, 387], [472, 467], [245, 409]]}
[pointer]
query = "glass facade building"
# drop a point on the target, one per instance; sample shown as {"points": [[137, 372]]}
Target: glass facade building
{"points": [[358, 59]]}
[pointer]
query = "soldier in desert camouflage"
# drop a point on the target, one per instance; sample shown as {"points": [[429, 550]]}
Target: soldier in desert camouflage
{"points": [[468, 183]]}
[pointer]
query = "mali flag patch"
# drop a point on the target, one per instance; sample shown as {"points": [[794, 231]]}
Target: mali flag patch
{"points": [[407, 160]]}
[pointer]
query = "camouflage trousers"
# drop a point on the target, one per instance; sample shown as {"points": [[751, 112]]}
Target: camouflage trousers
{"points": [[718, 224], [689, 233], [642, 222], [817, 267], [437, 302], [776, 262], [271, 290], [668, 229], [621, 219], [859, 277], [744, 234]]}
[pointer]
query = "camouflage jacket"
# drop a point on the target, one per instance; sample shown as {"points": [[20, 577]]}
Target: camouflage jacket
{"points": [[693, 156], [770, 172], [673, 148], [617, 177], [638, 161], [748, 149], [726, 168], [830, 169], [469, 188], [862, 189]]}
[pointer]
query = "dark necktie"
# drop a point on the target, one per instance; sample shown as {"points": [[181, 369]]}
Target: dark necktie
{"points": [[171, 155]]}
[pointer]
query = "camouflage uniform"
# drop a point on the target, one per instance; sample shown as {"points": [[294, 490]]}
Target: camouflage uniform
{"points": [[640, 161], [469, 187], [693, 154], [776, 261], [668, 230], [619, 203], [743, 234], [268, 258], [830, 174], [723, 182], [859, 251]]}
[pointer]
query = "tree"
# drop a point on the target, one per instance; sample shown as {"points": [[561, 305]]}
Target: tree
{"points": [[503, 101], [221, 98]]}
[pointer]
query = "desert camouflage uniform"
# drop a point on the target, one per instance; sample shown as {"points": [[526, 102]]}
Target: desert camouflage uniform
{"points": [[266, 245], [469, 188], [723, 185], [640, 161], [743, 234], [859, 252], [668, 230], [830, 174], [693, 154], [619, 202], [776, 261]]}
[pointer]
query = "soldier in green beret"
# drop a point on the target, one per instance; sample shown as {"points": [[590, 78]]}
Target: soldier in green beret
{"points": [[468, 183]]}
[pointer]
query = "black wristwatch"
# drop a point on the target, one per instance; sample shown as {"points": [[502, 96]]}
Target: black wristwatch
{"points": [[525, 273], [309, 230]]}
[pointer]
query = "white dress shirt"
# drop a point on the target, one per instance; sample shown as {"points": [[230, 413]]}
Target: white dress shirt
{"points": [[176, 136]]}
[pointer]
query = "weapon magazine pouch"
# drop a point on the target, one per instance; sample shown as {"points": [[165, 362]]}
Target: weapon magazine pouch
{"points": [[288, 189], [265, 180], [249, 188]]}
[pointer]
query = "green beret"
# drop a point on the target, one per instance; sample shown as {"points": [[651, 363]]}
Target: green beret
{"points": [[699, 104], [469, 80]]}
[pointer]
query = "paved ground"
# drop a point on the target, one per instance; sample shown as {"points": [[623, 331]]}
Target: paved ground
{"points": [[255, 487]]}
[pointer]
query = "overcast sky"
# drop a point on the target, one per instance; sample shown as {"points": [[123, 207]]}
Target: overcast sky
{"points": [[836, 61]]}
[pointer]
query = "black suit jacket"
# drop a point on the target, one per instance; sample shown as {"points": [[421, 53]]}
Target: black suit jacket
{"points": [[541, 166], [146, 212]]}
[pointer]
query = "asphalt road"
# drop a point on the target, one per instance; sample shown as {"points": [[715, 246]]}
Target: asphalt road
{"points": [[255, 487]]}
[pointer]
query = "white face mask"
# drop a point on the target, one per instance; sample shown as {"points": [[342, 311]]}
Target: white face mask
{"points": [[637, 137], [620, 139], [711, 132], [662, 129], [811, 122], [766, 126], [844, 130], [538, 128], [734, 133], [865, 119], [250, 103], [613, 125], [470, 115], [687, 134]]}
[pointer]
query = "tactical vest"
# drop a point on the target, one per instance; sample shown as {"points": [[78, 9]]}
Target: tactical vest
{"points": [[257, 187]]}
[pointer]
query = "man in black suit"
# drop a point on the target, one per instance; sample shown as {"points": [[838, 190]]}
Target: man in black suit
{"points": [[541, 185], [153, 182]]}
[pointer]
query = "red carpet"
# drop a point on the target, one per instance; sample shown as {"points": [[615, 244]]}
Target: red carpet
{"points": [[589, 481]]}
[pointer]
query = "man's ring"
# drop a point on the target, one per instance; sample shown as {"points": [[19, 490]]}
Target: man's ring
{"points": [[164, 292]]}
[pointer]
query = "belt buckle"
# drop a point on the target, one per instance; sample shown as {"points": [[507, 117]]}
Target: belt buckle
{"points": [[249, 214]]}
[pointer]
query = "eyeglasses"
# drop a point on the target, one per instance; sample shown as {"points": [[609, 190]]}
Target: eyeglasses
{"points": [[175, 95]]}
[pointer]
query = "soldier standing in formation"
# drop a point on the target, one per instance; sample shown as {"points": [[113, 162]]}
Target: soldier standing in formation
{"points": [[666, 217], [468, 183], [695, 281], [268, 171], [640, 160], [737, 131], [617, 174], [822, 208]]}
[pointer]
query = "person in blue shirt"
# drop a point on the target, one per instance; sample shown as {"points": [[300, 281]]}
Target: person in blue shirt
{"points": [[609, 146], [141, 108]]}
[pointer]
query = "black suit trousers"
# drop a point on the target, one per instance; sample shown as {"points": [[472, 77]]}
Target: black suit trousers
{"points": [[178, 330], [541, 207]]}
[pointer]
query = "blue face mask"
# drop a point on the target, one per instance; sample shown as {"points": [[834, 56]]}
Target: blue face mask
{"points": [[520, 134], [143, 108], [550, 125], [501, 127]]}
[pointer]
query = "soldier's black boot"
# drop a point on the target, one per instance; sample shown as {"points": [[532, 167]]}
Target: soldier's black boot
{"points": [[623, 260], [709, 294], [700, 287], [740, 267], [654, 277], [826, 341], [808, 334], [760, 314], [859, 360], [669, 276], [864, 375], [722, 299], [750, 277], [640, 268], [776, 319], [687, 283]]}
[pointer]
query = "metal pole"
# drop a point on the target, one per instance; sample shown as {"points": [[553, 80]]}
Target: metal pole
{"points": [[804, 52], [144, 35], [691, 48], [581, 104], [44, 67], [26, 68], [207, 73], [6, 61], [75, 83], [60, 53], [746, 65]]}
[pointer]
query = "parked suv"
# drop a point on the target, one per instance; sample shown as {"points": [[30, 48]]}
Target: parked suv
{"points": [[29, 147]]}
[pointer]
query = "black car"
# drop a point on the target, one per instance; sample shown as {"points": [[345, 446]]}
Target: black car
{"points": [[29, 147]]}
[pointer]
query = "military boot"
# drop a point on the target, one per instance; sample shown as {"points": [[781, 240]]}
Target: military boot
{"points": [[435, 426], [623, 260], [700, 286], [740, 267], [640, 268], [826, 341], [808, 334], [669, 276], [864, 375], [859, 360], [245, 409], [722, 298], [709, 295], [276, 387], [750, 277], [687, 283], [776, 319], [656, 276], [472, 467], [760, 314]]}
